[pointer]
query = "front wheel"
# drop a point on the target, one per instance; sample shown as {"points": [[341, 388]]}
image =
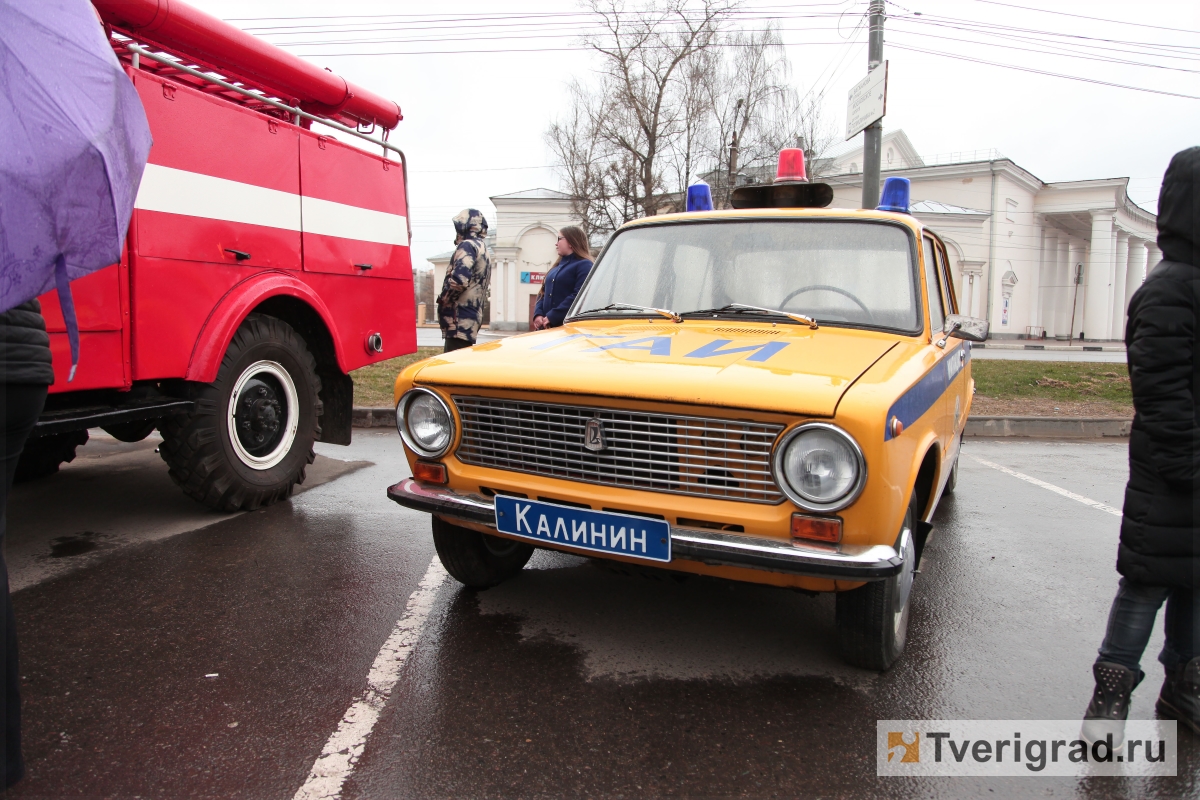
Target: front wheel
{"points": [[477, 560], [872, 620], [251, 437]]}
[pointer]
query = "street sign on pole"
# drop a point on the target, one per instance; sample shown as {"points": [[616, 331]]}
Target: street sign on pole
{"points": [[867, 102]]}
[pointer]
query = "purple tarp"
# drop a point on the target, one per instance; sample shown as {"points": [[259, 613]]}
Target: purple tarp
{"points": [[73, 144]]}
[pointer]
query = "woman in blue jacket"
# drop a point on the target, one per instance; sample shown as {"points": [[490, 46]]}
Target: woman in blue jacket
{"points": [[564, 280]]}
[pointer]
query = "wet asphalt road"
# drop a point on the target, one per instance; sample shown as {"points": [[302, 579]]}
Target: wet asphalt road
{"points": [[574, 679]]}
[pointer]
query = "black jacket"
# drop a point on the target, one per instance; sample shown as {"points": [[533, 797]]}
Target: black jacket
{"points": [[25, 346], [1160, 539]]}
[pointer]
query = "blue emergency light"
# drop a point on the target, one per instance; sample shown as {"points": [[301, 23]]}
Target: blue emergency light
{"points": [[895, 195], [699, 197]]}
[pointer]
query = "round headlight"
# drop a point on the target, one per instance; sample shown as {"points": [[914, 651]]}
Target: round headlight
{"points": [[425, 422], [819, 467]]}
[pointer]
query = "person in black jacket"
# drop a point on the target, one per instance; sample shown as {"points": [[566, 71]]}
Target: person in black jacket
{"points": [[1159, 554], [564, 280], [26, 371]]}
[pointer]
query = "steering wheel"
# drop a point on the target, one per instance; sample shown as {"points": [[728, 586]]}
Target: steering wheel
{"points": [[826, 288]]}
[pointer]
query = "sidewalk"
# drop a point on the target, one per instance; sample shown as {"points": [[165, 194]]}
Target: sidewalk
{"points": [[1049, 350]]}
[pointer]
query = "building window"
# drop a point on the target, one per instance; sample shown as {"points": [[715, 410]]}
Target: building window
{"points": [[1010, 210]]}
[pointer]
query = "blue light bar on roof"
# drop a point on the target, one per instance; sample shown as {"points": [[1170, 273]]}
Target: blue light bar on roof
{"points": [[699, 197], [895, 195]]}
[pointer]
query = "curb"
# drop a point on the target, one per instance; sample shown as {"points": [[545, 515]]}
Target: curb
{"points": [[373, 417], [1050, 427], [1014, 427]]}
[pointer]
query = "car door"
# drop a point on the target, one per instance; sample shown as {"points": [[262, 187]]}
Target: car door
{"points": [[936, 309], [958, 392]]}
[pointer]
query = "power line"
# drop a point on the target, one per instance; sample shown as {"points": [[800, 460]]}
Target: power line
{"points": [[987, 27], [520, 36], [1103, 59], [1045, 72], [1094, 19], [541, 50], [512, 15]]}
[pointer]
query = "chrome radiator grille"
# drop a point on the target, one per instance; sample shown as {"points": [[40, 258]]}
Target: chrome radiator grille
{"points": [[717, 458]]}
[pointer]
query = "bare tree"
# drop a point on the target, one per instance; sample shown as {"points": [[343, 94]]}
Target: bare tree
{"points": [[675, 92], [758, 111], [633, 138]]}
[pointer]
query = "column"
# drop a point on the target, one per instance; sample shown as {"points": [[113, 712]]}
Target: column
{"points": [[499, 292], [1076, 257], [1064, 284], [511, 280], [1136, 274], [1153, 256], [1116, 328], [1098, 277], [1048, 282]]}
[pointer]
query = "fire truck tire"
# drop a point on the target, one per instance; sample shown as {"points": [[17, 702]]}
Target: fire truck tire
{"points": [[251, 437], [43, 455]]}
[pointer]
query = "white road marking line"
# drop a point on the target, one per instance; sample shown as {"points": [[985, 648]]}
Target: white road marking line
{"points": [[346, 744], [1087, 501]]}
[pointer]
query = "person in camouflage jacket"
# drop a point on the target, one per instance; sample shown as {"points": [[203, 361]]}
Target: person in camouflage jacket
{"points": [[460, 305]]}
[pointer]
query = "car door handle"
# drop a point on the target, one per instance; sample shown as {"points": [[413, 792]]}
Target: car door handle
{"points": [[363, 266], [240, 255]]}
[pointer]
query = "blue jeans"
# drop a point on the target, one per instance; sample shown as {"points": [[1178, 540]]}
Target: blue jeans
{"points": [[1132, 619]]}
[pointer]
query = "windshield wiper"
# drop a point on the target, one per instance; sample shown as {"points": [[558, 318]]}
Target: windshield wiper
{"points": [[742, 308], [671, 315]]}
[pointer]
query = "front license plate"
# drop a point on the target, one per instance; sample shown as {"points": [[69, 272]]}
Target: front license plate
{"points": [[598, 531]]}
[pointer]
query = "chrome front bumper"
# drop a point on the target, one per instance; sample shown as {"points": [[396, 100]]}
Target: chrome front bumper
{"points": [[845, 562]]}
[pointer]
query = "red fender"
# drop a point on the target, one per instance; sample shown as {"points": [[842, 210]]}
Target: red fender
{"points": [[237, 303]]}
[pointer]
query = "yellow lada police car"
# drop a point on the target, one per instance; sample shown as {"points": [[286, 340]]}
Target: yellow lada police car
{"points": [[773, 394]]}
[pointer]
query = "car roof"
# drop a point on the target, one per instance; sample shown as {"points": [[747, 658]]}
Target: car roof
{"points": [[779, 213]]}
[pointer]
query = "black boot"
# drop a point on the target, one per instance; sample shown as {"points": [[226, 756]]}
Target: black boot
{"points": [[1109, 709], [1180, 695]]}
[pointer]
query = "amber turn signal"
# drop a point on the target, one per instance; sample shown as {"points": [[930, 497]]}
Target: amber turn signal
{"points": [[430, 472], [816, 529], [896, 426]]}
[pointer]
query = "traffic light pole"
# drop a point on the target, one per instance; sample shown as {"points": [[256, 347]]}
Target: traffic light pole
{"points": [[873, 135]]}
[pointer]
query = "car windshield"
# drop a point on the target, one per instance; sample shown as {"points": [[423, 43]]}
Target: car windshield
{"points": [[859, 274]]}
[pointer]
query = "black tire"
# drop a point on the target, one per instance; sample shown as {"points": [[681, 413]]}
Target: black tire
{"points": [[275, 413], [952, 481], [43, 455], [872, 620], [475, 559]]}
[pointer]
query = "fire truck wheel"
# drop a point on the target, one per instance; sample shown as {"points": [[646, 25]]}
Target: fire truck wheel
{"points": [[251, 437], [43, 455]]}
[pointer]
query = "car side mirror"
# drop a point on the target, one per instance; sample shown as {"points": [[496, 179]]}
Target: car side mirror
{"points": [[960, 326]]}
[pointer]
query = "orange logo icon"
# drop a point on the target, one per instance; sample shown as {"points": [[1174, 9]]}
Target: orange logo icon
{"points": [[911, 750]]}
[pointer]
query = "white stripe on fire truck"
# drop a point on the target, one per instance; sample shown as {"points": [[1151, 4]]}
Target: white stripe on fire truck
{"points": [[177, 191], [192, 194], [351, 222]]}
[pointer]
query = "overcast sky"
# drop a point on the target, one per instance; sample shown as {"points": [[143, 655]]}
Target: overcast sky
{"points": [[474, 122]]}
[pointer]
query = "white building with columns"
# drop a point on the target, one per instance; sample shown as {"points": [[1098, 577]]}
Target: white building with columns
{"points": [[1030, 256], [522, 241]]}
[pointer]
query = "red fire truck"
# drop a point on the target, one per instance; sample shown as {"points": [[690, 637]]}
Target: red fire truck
{"points": [[265, 260]]}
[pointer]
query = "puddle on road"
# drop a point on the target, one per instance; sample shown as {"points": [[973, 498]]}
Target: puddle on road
{"points": [[631, 629], [76, 544]]}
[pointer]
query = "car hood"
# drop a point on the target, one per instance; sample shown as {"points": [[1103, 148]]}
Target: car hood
{"points": [[764, 367]]}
